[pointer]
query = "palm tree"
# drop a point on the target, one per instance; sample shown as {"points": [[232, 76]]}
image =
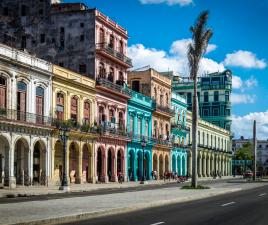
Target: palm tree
{"points": [[196, 49]]}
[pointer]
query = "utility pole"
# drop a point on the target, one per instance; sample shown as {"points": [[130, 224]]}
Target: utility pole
{"points": [[254, 150]]}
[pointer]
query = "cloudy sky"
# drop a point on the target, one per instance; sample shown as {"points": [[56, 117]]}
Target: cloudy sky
{"points": [[159, 34]]}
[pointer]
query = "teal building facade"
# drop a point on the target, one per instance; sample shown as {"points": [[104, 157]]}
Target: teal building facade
{"points": [[179, 132], [139, 125]]}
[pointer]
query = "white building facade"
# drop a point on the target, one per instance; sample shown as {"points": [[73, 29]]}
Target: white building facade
{"points": [[25, 118]]}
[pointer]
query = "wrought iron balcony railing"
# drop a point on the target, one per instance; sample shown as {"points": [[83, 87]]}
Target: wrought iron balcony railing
{"points": [[24, 117], [180, 126], [165, 109], [115, 87], [162, 141], [118, 55], [114, 129], [140, 138], [176, 145]]}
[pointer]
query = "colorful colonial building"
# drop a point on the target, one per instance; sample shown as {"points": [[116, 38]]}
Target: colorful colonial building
{"points": [[139, 125], [158, 87], [179, 132], [73, 104], [25, 119]]}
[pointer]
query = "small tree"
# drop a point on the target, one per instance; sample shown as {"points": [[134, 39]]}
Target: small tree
{"points": [[196, 49]]}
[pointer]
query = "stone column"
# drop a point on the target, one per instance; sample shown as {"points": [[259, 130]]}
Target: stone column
{"points": [[104, 167], [190, 166], [200, 166], [30, 162], [135, 161], [7, 165], [158, 167], [78, 178], [67, 161], [208, 166], [204, 165], [115, 177]]}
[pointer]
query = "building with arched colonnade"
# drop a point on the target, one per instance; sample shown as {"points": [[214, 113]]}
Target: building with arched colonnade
{"points": [[25, 120]]}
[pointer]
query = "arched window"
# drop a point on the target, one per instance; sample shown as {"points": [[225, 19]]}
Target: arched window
{"points": [[121, 47], [60, 106], [39, 104], [101, 115], [155, 94], [111, 116], [3, 92], [102, 71], [21, 100], [111, 75], [167, 131], [86, 112], [101, 37], [111, 41], [74, 108], [167, 100]]}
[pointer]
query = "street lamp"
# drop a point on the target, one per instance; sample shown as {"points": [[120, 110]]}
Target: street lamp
{"points": [[64, 129], [143, 145]]}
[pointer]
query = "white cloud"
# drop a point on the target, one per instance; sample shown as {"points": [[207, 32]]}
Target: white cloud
{"points": [[244, 59], [168, 2], [238, 98], [174, 60], [236, 82], [242, 125], [251, 82]]}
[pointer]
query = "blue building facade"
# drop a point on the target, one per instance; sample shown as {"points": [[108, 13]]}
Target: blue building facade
{"points": [[179, 132], [139, 125]]}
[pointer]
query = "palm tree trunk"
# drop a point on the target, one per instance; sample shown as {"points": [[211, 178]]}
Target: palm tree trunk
{"points": [[194, 134]]}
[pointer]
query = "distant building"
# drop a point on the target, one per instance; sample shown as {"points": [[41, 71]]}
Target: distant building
{"points": [[214, 96]]}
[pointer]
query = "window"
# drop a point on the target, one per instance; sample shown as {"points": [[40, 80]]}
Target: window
{"points": [[189, 98], [81, 24], [121, 120], [216, 96], [101, 37], [227, 112], [21, 100], [42, 38], [120, 80], [74, 108], [86, 112], [2, 92], [205, 112], [155, 94], [61, 64], [155, 129], [5, 11], [216, 112], [167, 100], [23, 10], [146, 128], [111, 41], [136, 85], [101, 115], [198, 137], [206, 96], [227, 97], [139, 127], [41, 12], [39, 104], [161, 100], [82, 68], [60, 106], [111, 75], [102, 71], [167, 131], [82, 38], [23, 42], [111, 116], [121, 47], [131, 124]]}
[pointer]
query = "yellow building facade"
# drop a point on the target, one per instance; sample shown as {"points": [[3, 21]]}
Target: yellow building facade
{"points": [[73, 103]]}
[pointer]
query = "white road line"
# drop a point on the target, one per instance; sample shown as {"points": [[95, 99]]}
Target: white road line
{"points": [[157, 223], [229, 203], [262, 194]]}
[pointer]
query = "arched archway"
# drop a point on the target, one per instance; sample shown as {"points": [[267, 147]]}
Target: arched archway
{"points": [[155, 162], [131, 168], [73, 163], [58, 162], [110, 165], [100, 165], [39, 163], [179, 165], [86, 167], [166, 163], [139, 167], [4, 160], [147, 166], [21, 162], [120, 162], [183, 164], [174, 170], [161, 166]]}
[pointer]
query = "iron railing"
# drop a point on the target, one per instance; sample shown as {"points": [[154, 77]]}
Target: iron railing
{"points": [[176, 145], [24, 117], [115, 87], [180, 126], [110, 128], [107, 49], [140, 138]]}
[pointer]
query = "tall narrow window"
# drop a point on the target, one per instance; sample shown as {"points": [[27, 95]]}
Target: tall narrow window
{"points": [[101, 115], [216, 96], [111, 41], [155, 129], [60, 106], [189, 98], [39, 104], [167, 131], [131, 124], [111, 116], [83, 68], [146, 128], [121, 120], [74, 108], [23, 42], [120, 80], [101, 37], [102, 72], [23, 10], [121, 47], [227, 98], [21, 100], [3, 91], [206, 96], [167, 100], [139, 127], [111, 75], [136, 85], [86, 112], [161, 100]]}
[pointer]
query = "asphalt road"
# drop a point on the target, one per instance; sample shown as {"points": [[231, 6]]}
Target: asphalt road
{"points": [[247, 207], [103, 191]]}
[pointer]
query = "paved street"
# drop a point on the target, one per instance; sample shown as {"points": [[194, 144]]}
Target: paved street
{"points": [[247, 207], [49, 210]]}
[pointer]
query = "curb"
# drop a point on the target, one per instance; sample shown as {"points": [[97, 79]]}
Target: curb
{"points": [[109, 212]]}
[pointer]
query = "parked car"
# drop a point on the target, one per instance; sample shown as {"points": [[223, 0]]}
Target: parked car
{"points": [[248, 174]]}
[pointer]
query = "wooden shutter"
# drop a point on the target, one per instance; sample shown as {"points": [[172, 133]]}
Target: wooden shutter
{"points": [[22, 101], [74, 106], [2, 97], [86, 111]]}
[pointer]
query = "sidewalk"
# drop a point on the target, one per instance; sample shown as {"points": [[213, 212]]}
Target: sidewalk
{"points": [[72, 209], [43, 190]]}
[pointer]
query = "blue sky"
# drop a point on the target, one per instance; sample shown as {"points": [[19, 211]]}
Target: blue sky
{"points": [[159, 32]]}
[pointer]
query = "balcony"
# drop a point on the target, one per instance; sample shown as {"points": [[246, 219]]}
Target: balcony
{"points": [[176, 145], [140, 138], [120, 57], [112, 86], [111, 129], [180, 126], [161, 141], [165, 109], [24, 117]]}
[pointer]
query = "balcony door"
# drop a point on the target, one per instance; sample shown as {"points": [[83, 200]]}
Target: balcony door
{"points": [[21, 100], [60, 106], [2, 93], [39, 104]]}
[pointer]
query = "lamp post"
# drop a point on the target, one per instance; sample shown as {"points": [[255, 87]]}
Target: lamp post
{"points": [[143, 145], [64, 129]]}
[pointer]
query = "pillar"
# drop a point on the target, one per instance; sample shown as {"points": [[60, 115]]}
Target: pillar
{"points": [[189, 170], [200, 166], [12, 179], [204, 171], [208, 166], [78, 178]]}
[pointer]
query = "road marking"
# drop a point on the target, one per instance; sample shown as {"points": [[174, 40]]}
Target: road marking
{"points": [[262, 194], [157, 223], [229, 203]]}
